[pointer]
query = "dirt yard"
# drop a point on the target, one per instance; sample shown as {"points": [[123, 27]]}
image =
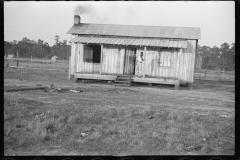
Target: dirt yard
{"points": [[106, 120]]}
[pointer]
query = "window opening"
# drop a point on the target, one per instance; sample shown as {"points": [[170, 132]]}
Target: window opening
{"points": [[92, 53]]}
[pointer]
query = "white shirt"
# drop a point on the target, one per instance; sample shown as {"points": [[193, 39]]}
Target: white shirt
{"points": [[139, 59]]}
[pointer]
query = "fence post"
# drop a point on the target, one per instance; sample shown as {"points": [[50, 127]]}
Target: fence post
{"points": [[7, 63], [17, 62], [205, 73], [69, 67], [31, 62]]}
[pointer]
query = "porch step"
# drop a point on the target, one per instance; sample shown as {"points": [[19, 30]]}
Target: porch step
{"points": [[124, 79], [125, 75]]}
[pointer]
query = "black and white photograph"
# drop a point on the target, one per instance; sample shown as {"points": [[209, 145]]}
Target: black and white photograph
{"points": [[124, 78]]}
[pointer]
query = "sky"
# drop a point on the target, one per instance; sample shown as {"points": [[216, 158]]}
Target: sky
{"points": [[44, 20]]}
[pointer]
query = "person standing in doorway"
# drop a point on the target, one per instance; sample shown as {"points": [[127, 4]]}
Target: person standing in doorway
{"points": [[139, 63]]}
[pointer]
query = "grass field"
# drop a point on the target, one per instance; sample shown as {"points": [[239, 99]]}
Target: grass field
{"points": [[38, 63], [107, 120], [215, 75]]}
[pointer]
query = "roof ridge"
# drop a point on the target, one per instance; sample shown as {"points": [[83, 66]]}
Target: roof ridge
{"points": [[136, 30], [139, 25]]}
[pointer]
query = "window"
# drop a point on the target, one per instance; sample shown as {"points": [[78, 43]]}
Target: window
{"points": [[165, 58], [92, 53]]}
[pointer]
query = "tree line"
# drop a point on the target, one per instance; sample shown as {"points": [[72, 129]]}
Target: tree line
{"points": [[215, 58], [27, 48]]}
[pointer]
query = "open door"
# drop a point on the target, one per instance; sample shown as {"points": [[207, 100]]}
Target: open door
{"points": [[129, 62]]}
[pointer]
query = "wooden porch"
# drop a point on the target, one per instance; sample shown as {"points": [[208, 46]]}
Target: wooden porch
{"points": [[134, 78]]}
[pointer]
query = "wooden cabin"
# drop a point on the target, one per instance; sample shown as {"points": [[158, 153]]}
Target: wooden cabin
{"points": [[107, 52]]}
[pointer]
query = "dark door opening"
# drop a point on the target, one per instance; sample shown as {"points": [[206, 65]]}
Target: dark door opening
{"points": [[129, 61]]}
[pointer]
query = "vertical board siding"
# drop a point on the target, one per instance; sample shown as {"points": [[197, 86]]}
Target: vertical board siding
{"points": [[72, 59], [110, 60], [181, 64], [186, 62], [165, 55], [75, 58], [154, 66], [113, 59], [117, 61], [80, 67], [122, 52], [176, 63], [153, 57], [103, 59], [85, 66], [193, 51]]}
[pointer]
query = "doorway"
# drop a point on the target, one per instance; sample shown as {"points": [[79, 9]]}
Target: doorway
{"points": [[129, 61]]}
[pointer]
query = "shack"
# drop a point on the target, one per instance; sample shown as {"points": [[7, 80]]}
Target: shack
{"points": [[109, 52]]}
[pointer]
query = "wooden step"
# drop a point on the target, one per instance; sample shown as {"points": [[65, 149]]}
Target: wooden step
{"points": [[123, 77], [123, 80]]}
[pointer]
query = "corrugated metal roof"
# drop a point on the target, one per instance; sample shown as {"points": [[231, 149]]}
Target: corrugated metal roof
{"points": [[175, 44], [170, 44], [154, 42], [135, 31]]}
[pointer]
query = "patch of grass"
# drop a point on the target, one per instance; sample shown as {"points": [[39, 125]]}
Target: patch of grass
{"points": [[112, 130]]}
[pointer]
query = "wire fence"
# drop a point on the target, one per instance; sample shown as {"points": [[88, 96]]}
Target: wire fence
{"points": [[37, 63], [214, 75]]}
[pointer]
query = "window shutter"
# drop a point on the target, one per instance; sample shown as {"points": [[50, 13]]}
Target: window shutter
{"points": [[87, 54]]}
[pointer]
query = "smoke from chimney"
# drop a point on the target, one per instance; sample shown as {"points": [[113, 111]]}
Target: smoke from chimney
{"points": [[83, 9], [95, 15], [103, 14]]}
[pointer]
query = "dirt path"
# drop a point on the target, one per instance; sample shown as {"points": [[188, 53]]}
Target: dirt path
{"points": [[132, 97]]}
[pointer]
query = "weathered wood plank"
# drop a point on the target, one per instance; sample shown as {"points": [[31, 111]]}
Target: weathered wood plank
{"points": [[154, 80], [175, 63], [27, 88], [72, 58], [159, 64], [101, 60], [75, 58], [180, 58], [95, 76], [122, 59], [104, 59], [69, 68], [194, 44]]}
